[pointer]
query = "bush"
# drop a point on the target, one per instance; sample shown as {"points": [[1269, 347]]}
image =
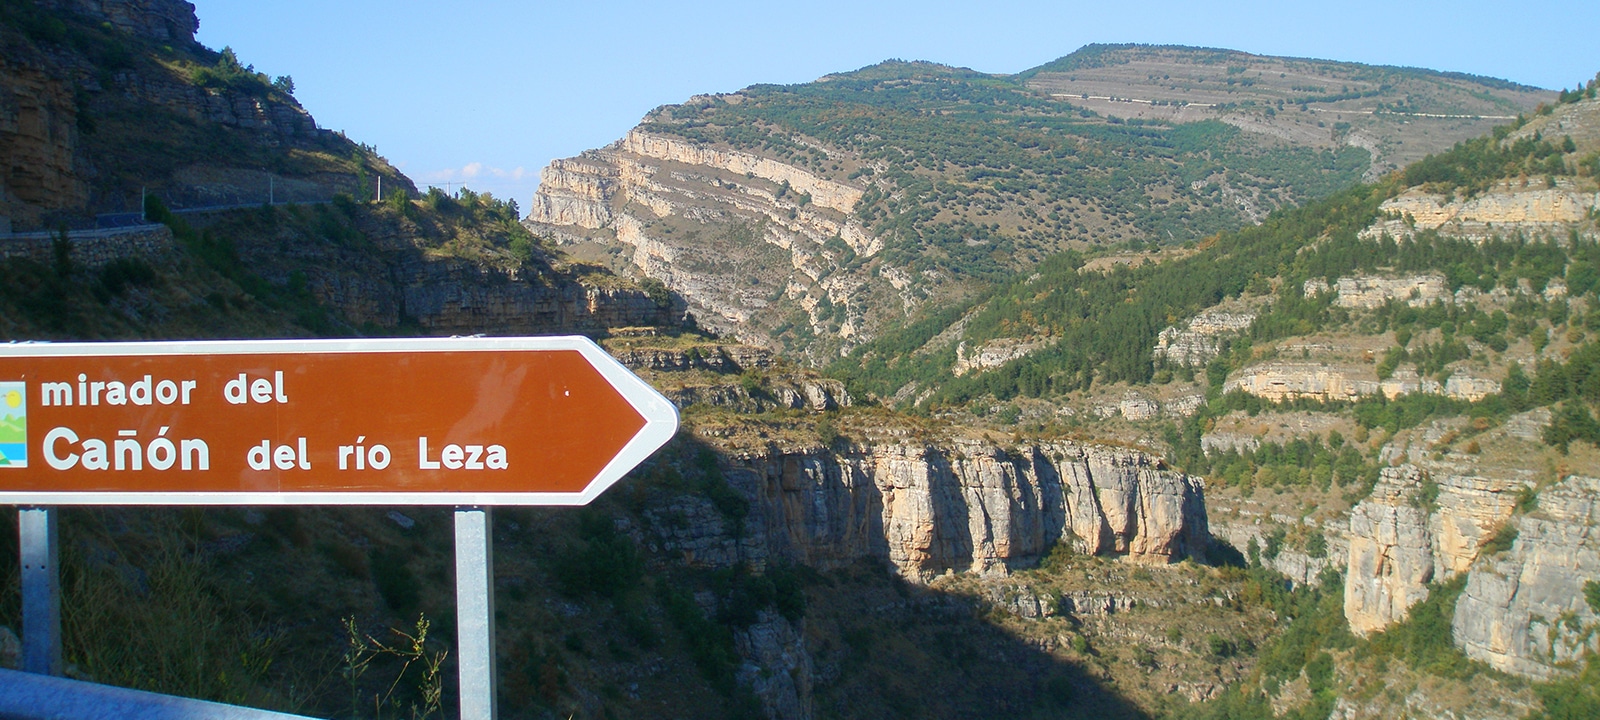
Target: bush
{"points": [[604, 563], [395, 581], [1501, 541], [120, 274], [1317, 545]]}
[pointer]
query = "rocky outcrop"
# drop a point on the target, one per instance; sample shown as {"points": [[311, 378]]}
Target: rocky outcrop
{"points": [[1524, 611], [828, 194], [1415, 529], [38, 138], [160, 20], [966, 507], [1531, 208], [994, 353], [1535, 206], [747, 240], [724, 359], [785, 392], [1391, 559], [777, 666], [1372, 292], [1281, 381], [1201, 340]]}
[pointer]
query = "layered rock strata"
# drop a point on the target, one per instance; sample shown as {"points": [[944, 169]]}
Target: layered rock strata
{"points": [[1525, 611], [1371, 292], [1536, 208], [964, 507], [747, 240], [1201, 340], [1414, 530], [1281, 381]]}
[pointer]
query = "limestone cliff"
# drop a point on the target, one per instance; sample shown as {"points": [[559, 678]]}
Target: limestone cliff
{"points": [[1371, 292], [967, 506], [1536, 208], [1524, 610], [1201, 340], [1281, 381], [1390, 560], [38, 137], [737, 234], [1415, 529]]}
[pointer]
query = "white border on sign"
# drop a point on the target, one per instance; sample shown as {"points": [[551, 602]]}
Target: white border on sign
{"points": [[660, 419]]}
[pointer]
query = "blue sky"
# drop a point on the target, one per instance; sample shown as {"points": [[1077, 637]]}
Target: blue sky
{"points": [[487, 92]]}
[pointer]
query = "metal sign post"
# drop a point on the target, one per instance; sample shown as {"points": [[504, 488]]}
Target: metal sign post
{"points": [[41, 590], [475, 613]]}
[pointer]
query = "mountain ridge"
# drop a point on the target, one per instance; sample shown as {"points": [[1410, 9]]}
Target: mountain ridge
{"points": [[963, 178]]}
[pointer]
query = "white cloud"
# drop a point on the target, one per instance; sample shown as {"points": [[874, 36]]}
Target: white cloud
{"points": [[477, 170]]}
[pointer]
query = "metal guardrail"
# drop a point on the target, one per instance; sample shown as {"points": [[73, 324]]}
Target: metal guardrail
{"points": [[109, 224], [80, 234], [26, 696]]}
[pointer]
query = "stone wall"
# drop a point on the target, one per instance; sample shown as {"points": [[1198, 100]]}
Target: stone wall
{"points": [[92, 249]]}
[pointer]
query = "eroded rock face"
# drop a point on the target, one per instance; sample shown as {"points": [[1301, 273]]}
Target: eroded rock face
{"points": [[1415, 529], [1533, 208], [1391, 558], [38, 136], [1524, 610], [970, 506], [1201, 340], [1370, 292], [994, 353], [747, 240], [163, 20], [777, 666], [1281, 381]]}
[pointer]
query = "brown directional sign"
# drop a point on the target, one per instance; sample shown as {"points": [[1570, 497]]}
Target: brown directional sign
{"points": [[458, 421]]}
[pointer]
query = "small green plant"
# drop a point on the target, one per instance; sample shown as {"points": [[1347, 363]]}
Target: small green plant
{"points": [[1427, 496], [424, 685], [657, 292], [1317, 545], [827, 432], [1501, 541], [1527, 499], [1009, 415]]}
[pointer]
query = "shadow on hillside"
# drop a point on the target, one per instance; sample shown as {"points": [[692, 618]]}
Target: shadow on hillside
{"points": [[879, 645], [886, 648]]}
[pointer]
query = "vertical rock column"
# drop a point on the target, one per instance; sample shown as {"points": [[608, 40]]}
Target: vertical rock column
{"points": [[1391, 556]]}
